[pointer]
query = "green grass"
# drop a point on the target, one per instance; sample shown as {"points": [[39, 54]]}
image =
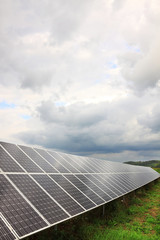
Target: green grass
{"points": [[136, 218], [157, 169], [119, 234], [140, 221]]}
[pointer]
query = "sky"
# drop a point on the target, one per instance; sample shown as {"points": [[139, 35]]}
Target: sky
{"points": [[82, 77]]}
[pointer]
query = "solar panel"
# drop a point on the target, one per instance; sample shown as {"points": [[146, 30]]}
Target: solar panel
{"points": [[54, 161], [107, 179], [7, 163], [93, 185], [85, 189], [41, 162], [21, 158], [43, 203], [100, 179], [84, 163], [5, 232], [17, 211], [40, 188], [65, 164], [73, 163], [73, 191], [61, 196]]}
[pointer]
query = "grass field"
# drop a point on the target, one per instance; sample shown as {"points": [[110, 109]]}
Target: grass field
{"points": [[137, 217]]}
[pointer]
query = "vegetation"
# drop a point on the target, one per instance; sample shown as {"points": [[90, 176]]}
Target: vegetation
{"points": [[157, 169], [151, 163], [135, 217]]}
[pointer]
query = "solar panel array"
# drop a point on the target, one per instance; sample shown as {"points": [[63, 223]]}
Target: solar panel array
{"points": [[41, 188]]}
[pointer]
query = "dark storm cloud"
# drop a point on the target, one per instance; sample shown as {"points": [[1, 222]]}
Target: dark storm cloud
{"points": [[84, 143], [92, 128]]}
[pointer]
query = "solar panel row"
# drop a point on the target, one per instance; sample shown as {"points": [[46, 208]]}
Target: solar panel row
{"points": [[40, 188], [21, 158]]}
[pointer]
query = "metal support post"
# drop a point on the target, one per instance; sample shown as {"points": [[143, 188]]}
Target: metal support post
{"points": [[103, 209]]}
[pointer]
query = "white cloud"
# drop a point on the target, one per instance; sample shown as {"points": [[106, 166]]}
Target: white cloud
{"points": [[86, 72]]}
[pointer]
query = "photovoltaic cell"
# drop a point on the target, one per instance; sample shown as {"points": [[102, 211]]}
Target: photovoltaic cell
{"points": [[56, 164], [112, 191], [58, 194], [106, 178], [21, 158], [7, 164], [97, 164], [20, 215], [89, 163], [64, 163], [86, 190], [39, 160], [122, 183], [70, 160], [127, 180], [73, 191], [43, 203], [95, 188], [82, 161], [117, 183], [5, 233], [140, 178]]}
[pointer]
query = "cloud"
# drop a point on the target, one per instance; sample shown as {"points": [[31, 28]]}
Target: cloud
{"points": [[85, 72], [151, 119], [143, 69], [118, 4], [36, 80], [102, 128]]}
